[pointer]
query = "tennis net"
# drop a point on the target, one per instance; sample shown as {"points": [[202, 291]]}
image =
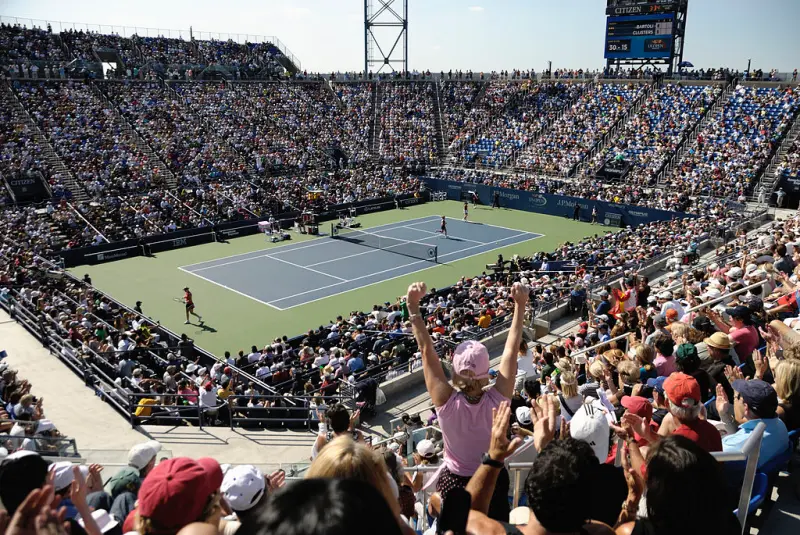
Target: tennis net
{"points": [[413, 249]]}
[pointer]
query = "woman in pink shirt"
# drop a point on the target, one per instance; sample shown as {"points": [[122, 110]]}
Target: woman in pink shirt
{"points": [[465, 408], [741, 330]]}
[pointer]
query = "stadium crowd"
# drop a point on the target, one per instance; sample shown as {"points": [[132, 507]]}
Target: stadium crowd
{"points": [[407, 131], [677, 386], [506, 118], [736, 143], [23, 423], [574, 134], [651, 136]]}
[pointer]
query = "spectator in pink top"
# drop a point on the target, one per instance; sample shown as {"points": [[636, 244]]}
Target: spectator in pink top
{"points": [[741, 330], [665, 357], [465, 407]]}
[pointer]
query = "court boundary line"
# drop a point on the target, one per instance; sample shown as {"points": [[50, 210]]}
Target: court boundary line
{"points": [[256, 299], [302, 245], [534, 235]]}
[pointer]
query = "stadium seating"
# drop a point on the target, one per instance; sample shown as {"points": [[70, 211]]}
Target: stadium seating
{"points": [[652, 135], [736, 143], [407, 133], [574, 134]]}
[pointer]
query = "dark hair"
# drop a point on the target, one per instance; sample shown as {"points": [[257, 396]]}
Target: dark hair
{"points": [[560, 485], [324, 507], [339, 418], [681, 473], [20, 477], [664, 345], [532, 387]]}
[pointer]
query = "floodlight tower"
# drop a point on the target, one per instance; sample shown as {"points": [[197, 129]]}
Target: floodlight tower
{"points": [[384, 28]]}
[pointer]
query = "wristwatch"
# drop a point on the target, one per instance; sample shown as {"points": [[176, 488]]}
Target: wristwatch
{"points": [[488, 461]]}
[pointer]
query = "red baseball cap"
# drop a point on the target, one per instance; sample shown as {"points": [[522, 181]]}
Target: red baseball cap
{"points": [[671, 314], [175, 493], [638, 405], [681, 389]]}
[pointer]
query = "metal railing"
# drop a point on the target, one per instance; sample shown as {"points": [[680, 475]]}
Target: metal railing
{"points": [[45, 446]]}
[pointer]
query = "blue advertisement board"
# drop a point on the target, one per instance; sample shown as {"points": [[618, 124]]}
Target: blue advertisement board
{"points": [[610, 214], [640, 37]]}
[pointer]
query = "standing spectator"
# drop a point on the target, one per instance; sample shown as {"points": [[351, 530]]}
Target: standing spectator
{"points": [[465, 412]]}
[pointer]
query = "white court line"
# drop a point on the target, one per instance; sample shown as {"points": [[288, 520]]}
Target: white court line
{"points": [[297, 246], [307, 268], [230, 289], [455, 238], [343, 257], [535, 236]]}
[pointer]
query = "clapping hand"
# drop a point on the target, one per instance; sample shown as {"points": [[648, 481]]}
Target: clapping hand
{"points": [[761, 364], [36, 515], [722, 403], [500, 448], [733, 373], [544, 422]]}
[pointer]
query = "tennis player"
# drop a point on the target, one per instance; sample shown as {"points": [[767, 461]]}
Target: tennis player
{"points": [[444, 227], [466, 210], [189, 302]]}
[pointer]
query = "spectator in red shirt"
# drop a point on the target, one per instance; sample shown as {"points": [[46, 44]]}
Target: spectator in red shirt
{"points": [[685, 405]]}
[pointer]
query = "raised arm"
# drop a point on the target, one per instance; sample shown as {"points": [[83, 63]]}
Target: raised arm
{"points": [[508, 363], [435, 380]]}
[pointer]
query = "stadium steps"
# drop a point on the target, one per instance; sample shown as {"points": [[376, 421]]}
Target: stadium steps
{"points": [[770, 178], [142, 144], [373, 131], [689, 141], [439, 123], [483, 86], [56, 165], [329, 88], [609, 136]]}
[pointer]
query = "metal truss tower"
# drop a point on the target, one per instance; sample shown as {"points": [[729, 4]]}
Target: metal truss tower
{"points": [[384, 28]]}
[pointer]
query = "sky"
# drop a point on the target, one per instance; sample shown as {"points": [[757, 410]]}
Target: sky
{"points": [[481, 35]]}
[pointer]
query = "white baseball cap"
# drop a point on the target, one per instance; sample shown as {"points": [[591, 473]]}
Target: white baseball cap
{"points": [[590, 425], [63, 475], [523, 415], [426, 448], [140, 455], [243, 486]]}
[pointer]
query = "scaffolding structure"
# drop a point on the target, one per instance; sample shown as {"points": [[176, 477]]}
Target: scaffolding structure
{"points": [[384, 29]]}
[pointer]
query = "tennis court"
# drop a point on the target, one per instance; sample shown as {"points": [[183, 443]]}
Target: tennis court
{"points": [[296, 274]]}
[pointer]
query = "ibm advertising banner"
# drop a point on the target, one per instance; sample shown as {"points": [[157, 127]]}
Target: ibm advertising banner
{"points": [[610, 214]]}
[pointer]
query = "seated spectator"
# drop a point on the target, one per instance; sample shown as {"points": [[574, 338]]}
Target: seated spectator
{"points": [[787, 386], [679, 471], [324, 507], [755, 401], [176, 493]]}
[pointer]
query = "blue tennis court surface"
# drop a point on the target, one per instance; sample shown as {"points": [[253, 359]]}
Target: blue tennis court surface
{"points": [[296, 274]]}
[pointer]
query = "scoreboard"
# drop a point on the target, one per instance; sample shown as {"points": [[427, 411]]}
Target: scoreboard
{"points": [[640, 36]]}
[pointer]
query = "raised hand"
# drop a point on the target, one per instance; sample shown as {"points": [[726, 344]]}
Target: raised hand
{"points": [[520, 293], [733, 373], [761, 364], [500, 448], [544, 422], [633, 478], [722, 403], [416, 292]]}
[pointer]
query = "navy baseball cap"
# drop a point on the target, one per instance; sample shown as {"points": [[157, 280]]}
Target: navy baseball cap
{"points": [[759, 396], [657, 383]]}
